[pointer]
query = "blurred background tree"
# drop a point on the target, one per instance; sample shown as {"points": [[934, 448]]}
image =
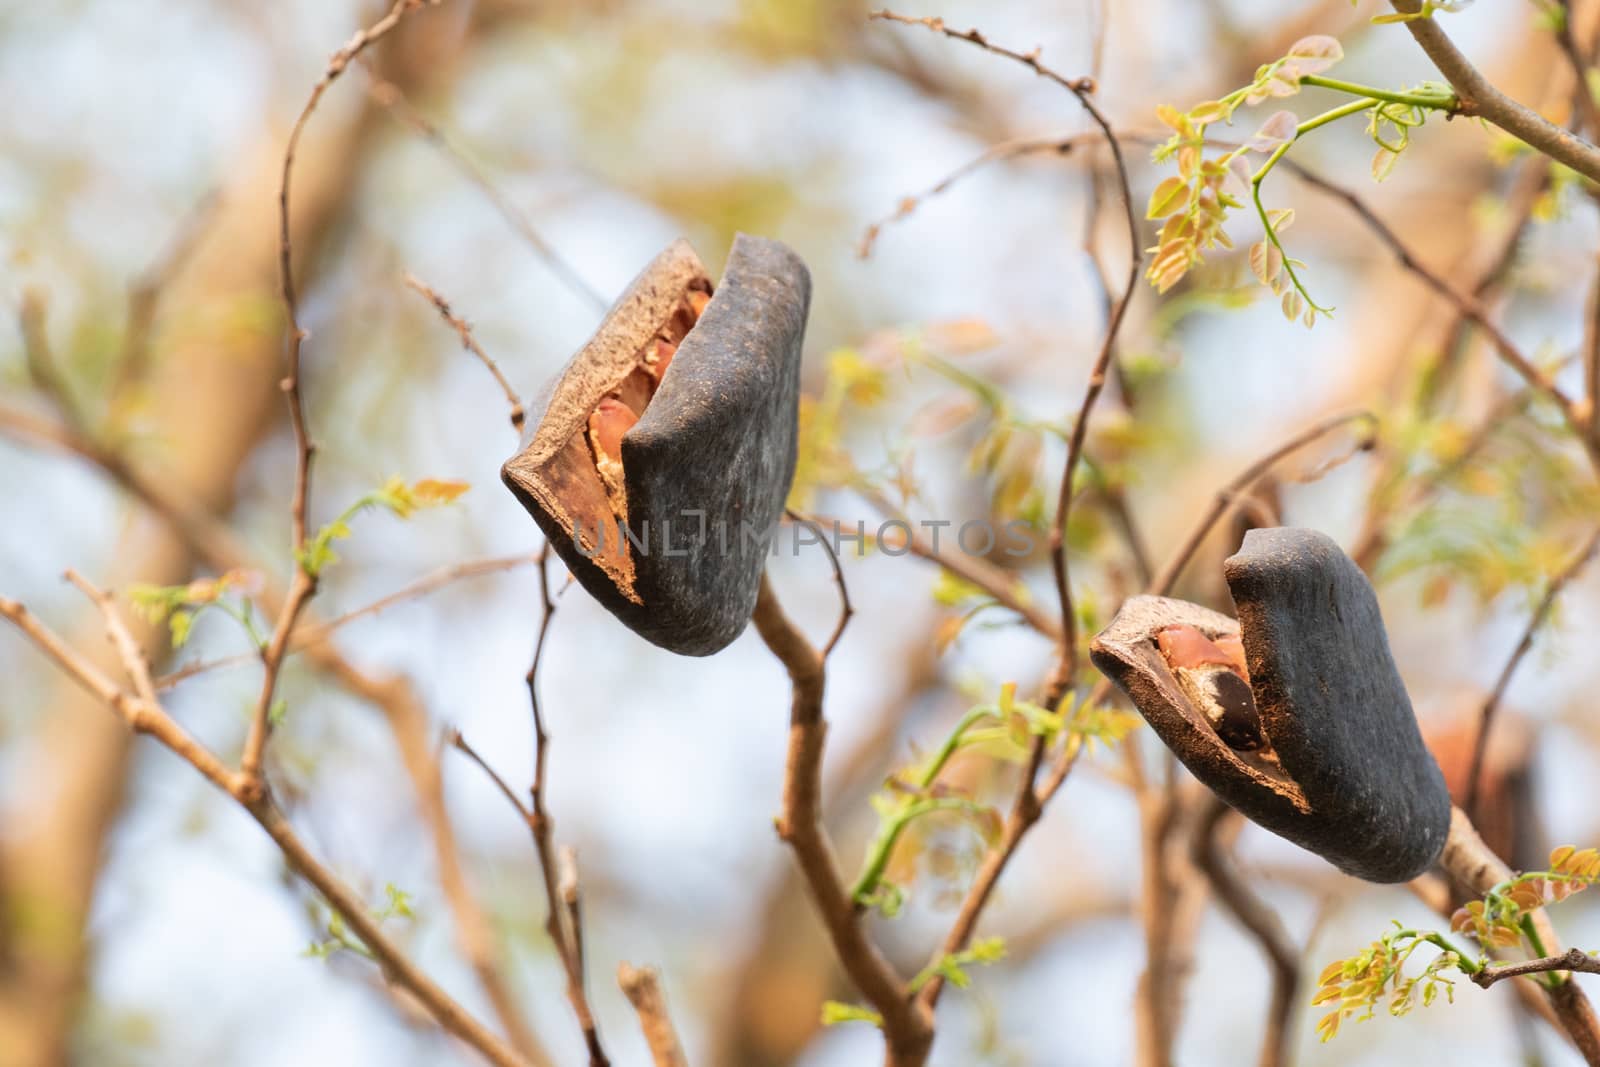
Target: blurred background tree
{"points": [[525, 157]]}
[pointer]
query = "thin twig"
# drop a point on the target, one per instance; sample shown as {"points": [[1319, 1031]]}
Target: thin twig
{"points": [[308, 635], [212, 542], [845, 608], [1262, 923], [643, 990], [391, 97], [1230, 494], [1574, 959], [907, 1024], [1026, 809], [303, 585], [997, 583], [147, 717], [1491, 705], [1061, 146], [1468, 306], [470, 343], [563, 913], [1062, 677]]}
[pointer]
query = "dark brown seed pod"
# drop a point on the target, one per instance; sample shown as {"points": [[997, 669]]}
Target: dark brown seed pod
{"points": [[658, 461], [1342, 769]]}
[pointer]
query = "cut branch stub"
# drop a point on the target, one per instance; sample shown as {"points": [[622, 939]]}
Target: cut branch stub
{"points": [[658, 461], [1339, 767]]}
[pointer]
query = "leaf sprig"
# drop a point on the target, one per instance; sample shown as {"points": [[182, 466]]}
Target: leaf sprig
{"points": [[1501, 919], [1194, 204], [952, 967], [180, 605], [1007, 728], [1359, 982], [395, 496]]}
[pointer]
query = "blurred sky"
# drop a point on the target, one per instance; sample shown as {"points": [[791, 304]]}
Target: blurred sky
{"points": [[617, 128]]}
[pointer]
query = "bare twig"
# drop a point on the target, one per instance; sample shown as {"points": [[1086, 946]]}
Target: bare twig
{"points": [[1478, 97], [558, 873], [1262, 923], [1541, 613], [997, 583], [1468, 306], [148, 717], [1061, 146], [470, 343], [1083, 89], [392, 97], [309, 635], [907, 1023], [643, 991], [846, 611], [1230, 494], [1574, 959], [304, 583]]}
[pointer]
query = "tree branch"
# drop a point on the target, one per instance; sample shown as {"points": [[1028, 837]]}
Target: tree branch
{"points": [[907, 1024], [1062, 676], [148, 717], [563, 914], [1477, 96], [1476, 868], [470, 343], [303, 586], [1574, 959], [1469, 307], [643, 991]]}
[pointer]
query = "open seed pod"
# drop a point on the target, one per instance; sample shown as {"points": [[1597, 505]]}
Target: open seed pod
{"points": [[659, 459], [1319, 744]]}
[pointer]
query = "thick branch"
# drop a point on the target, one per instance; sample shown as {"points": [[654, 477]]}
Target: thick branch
{"points": [[907, 1025], [1479, 97], [1477, 870]]}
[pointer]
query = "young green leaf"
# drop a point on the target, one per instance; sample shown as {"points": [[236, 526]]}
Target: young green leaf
{"points": [[1168, 198]]}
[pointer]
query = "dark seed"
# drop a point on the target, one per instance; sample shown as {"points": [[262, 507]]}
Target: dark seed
{"points": [[1233, 712]]}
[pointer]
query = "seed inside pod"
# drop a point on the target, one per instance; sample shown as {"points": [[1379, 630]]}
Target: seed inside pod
{"points": [[1213, 675], [619, 410]]}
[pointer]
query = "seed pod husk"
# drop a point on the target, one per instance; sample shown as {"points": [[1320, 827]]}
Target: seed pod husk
{"points": [[666, 520], [1346, 774]]}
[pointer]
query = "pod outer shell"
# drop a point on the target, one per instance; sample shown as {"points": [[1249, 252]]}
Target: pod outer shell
{"points": [[708, 466], [1356, 784], [1333, 703]]}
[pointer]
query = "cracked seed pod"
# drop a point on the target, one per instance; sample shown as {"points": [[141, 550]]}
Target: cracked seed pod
{"points": [[659, 459], [1311, 735]]}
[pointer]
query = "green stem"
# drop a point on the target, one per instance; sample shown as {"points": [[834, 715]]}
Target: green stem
{"points": [[1354, 107], [1549, 979], [1436, 101], [1464, 962], [889, 835]]}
